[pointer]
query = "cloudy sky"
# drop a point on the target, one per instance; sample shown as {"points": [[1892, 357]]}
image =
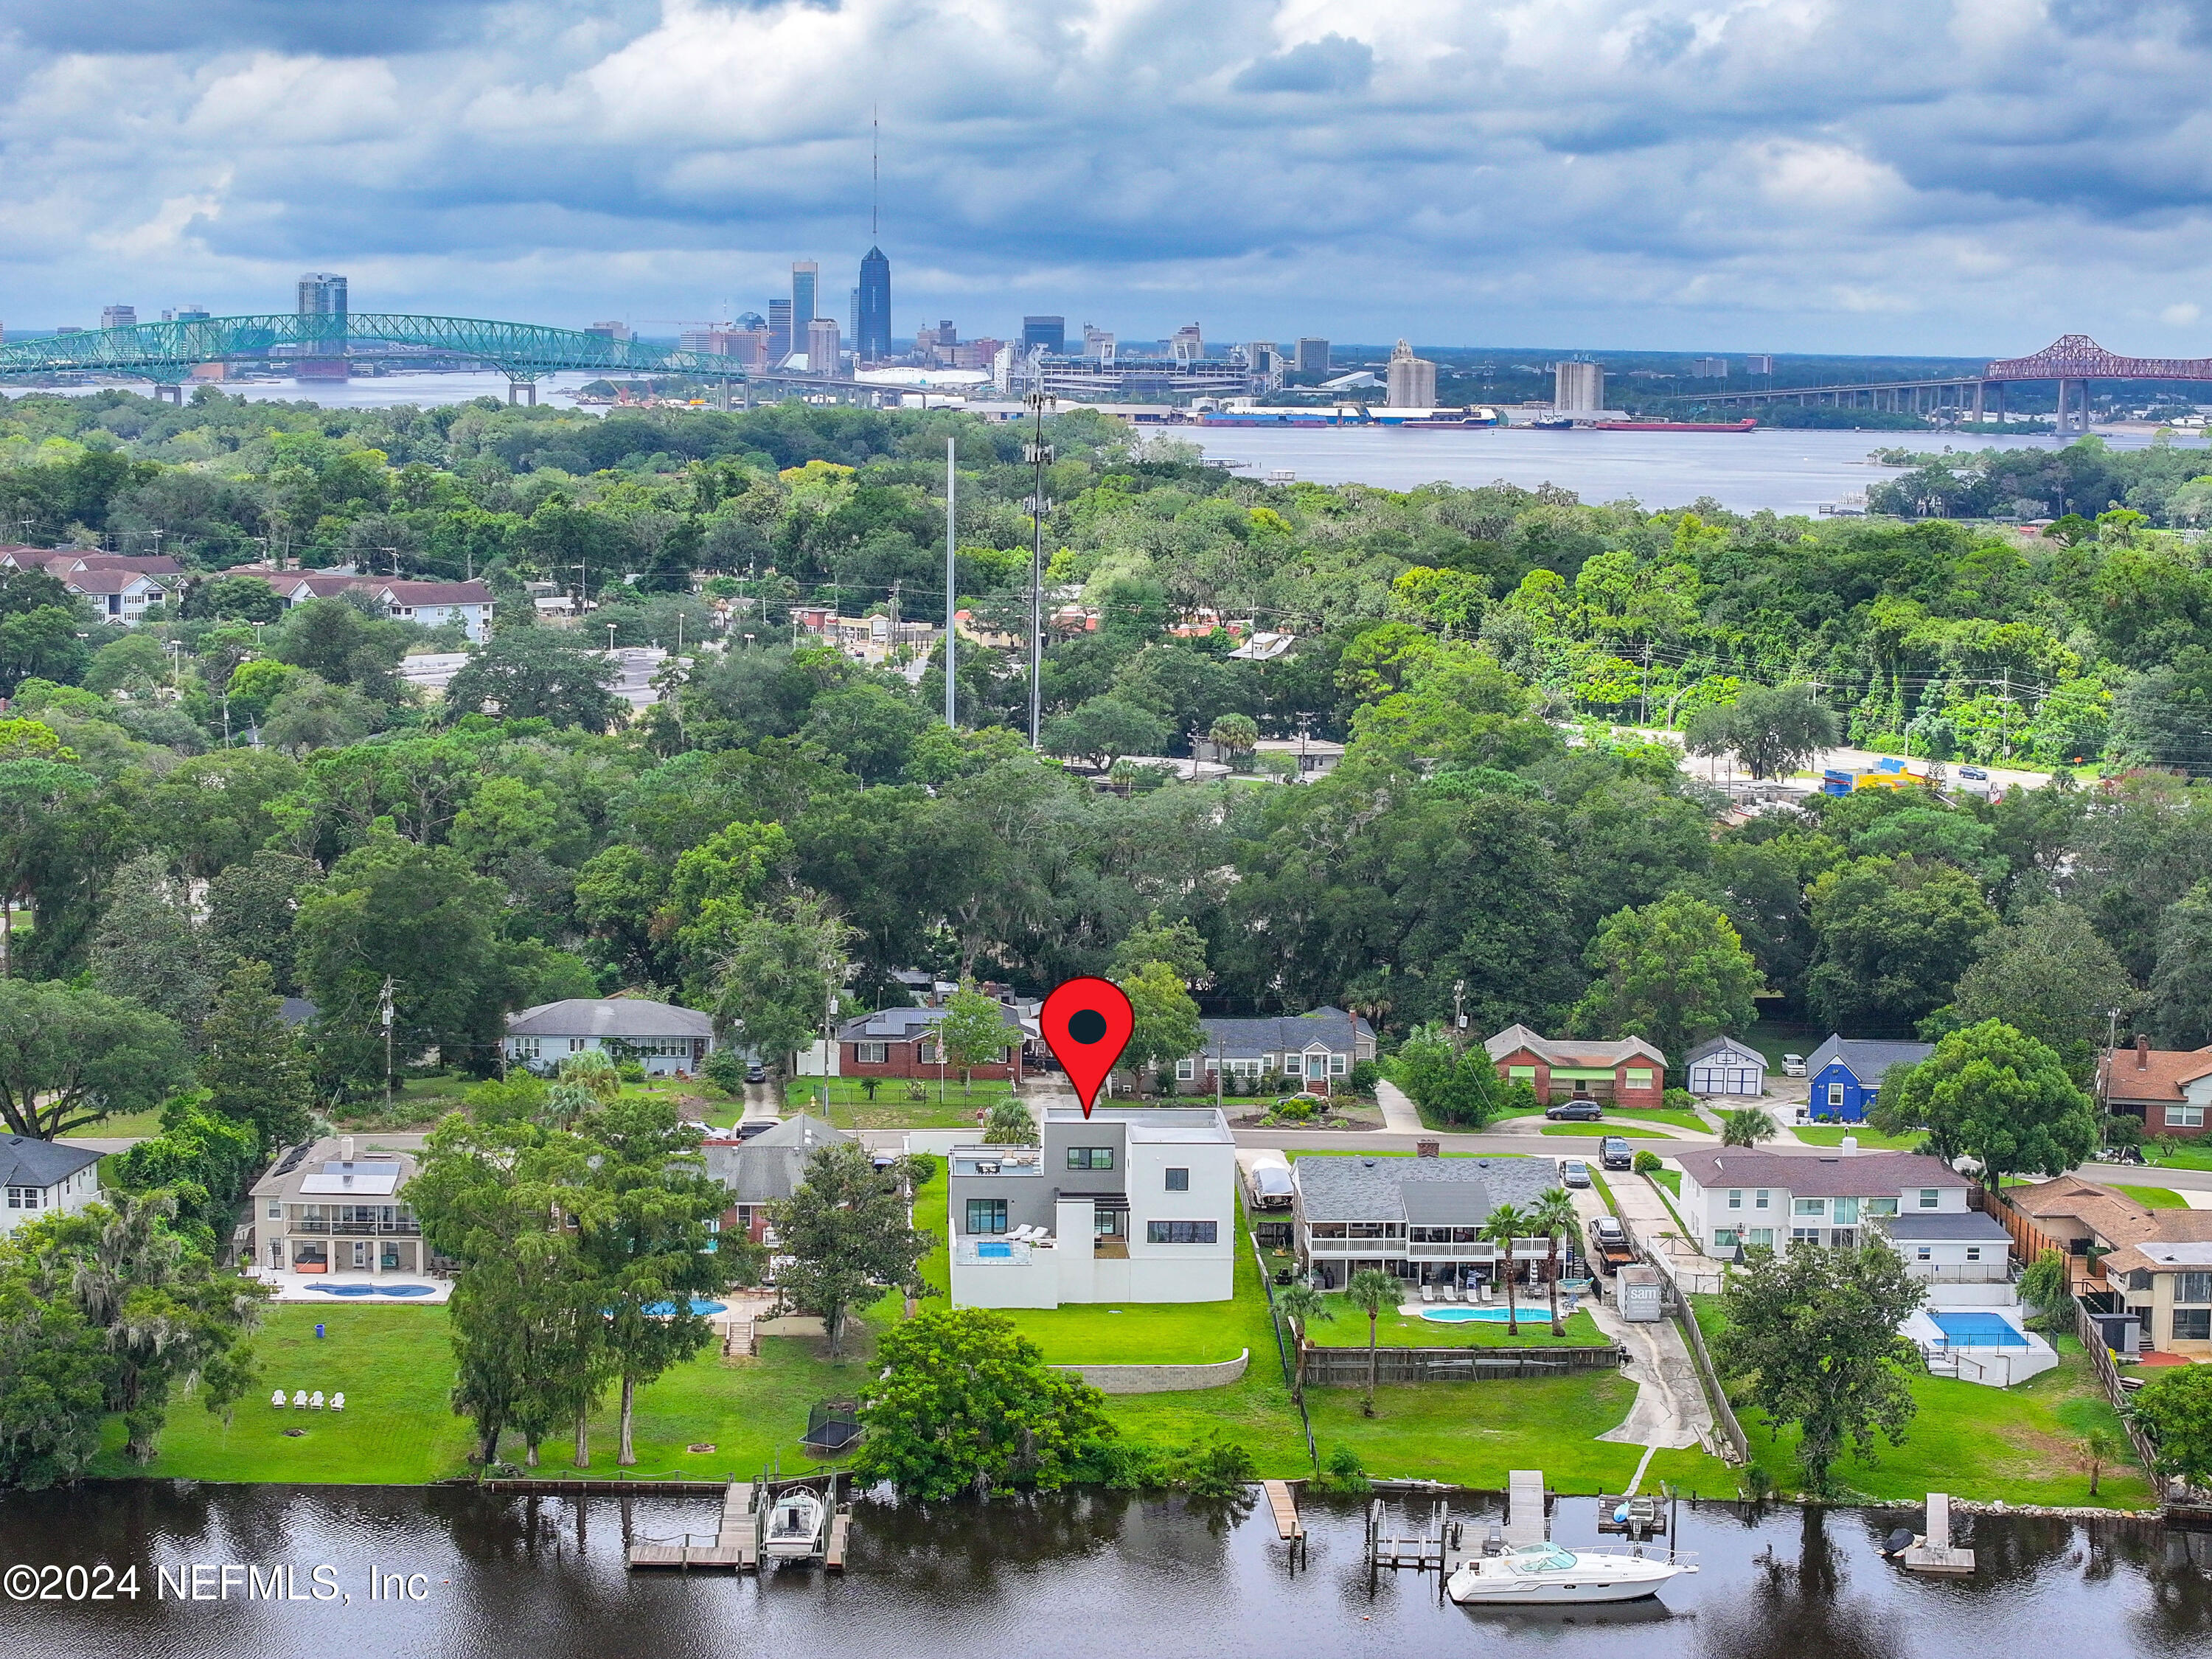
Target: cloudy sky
{"points": [[1936, 176]]}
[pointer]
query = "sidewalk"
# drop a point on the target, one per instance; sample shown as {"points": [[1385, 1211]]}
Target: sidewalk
{"points": [[1400, 1115]]}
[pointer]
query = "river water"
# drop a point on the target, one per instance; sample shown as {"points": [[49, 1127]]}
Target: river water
{"points": [[1077, 1575]]}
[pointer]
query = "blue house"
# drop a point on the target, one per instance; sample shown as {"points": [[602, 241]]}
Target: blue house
{"points": [[1846, 1074]]}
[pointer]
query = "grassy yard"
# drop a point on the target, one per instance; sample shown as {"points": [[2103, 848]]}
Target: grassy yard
{"points": [[1831, 1134], [1594, 1131], [891, 1109], [1396, 1330], [1670, 1179], [2156, 1198], [1473, 1433], [2021, 1444], [2182, 1158]]}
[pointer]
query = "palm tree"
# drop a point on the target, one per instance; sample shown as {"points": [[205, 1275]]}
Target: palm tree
{"points": [[1370, 1291], [2101, 1446], [1506, 1224], [1747, 1127], [1302, 1305], [1553, 1215]]}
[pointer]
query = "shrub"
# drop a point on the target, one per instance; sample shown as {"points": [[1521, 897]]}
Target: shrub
{"points": [[1647, 1163], [1345, 1472], [1363, 1077], [630, 1072], [1296, 1110], [1679, 1100], [726, 1070], [1214, 1468]]}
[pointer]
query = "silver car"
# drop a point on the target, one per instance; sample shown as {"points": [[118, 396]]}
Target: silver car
{"points": [[1574, 1173]]}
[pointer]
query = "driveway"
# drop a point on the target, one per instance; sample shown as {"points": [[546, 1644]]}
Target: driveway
{"points": [[1400, 1115], [1670, 1411]]}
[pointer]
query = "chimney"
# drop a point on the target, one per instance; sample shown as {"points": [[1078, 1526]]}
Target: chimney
{"points": [[345, 1150], [2142, 1054]]}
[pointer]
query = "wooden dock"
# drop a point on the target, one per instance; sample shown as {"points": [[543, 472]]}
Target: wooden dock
{"points": [[736, 1546], [841, 1531], [1527, 1518], [1283, 1504], [1935, 1552]]}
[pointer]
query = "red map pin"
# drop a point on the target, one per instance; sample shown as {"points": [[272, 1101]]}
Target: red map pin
{"points": [[1087, 1023]]}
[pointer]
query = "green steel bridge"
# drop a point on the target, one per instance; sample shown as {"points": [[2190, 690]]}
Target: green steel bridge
{"points": [[166, 353]]}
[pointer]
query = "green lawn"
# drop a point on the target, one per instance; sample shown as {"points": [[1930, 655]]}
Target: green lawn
{"points": [[1593, 1131], [2021, 1444], [2198, 1156], [1678, 1119], [1831, 1134], [2156, 1198], [1670, 1179], [1473, 1433], [1396, 1330], [851, 1109]]}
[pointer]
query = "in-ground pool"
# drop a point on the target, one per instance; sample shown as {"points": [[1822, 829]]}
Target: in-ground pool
{"points": [[1465, 1315], [375, 1290], [1976, 1330], [994, 1252], [663, 1309]]}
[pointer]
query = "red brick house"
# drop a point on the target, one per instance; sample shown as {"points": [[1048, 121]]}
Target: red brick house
{"points": [[902, 1042], [2169, 1089], [1629, 1073]]}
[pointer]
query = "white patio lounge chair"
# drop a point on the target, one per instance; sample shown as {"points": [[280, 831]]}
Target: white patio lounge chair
{"points": [[1428, 1292], [298, 1400], [337, 1402], [278, 1398], [315, 1400]]}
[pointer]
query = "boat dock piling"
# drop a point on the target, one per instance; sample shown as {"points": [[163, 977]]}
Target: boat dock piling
{"points": [[737, 1542], [1284, 1504], [1935, 1552]]}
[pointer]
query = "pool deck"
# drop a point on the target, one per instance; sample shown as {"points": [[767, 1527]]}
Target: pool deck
{"points": [[286, 1287]]}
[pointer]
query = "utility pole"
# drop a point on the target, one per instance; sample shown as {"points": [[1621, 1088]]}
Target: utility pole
{"points": [[892, 644], [951, 598], [384, 1012], [1037, 452], [1459, 1016]]}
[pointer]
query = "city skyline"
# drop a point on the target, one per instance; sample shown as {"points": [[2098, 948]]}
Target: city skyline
{"points": [[1819, 180]]}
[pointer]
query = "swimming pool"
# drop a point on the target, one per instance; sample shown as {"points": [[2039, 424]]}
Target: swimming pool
{"points": [[1466, 1315], [1977, 1330], [994, 1253], [663, 1309], [375, 1290]]}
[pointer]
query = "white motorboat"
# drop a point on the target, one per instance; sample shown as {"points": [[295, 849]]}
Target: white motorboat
{"points": [[1550, 1575], [794, 1525]]}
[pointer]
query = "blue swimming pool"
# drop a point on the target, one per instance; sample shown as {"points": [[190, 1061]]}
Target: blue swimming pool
{"points": [[994, 1252], [663, 1309], [1977, 1330], [1466, 1315], [375, 1290]]}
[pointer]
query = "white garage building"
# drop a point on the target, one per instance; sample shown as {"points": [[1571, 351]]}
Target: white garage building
{"points": [[1725, 1067]]}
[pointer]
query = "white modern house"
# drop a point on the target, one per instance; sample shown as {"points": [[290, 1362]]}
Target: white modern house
{"points": [[44, 1178], [1735, 1197], [1130, 1204], [324, 1210], [1725, 1067], [665, 1040]]}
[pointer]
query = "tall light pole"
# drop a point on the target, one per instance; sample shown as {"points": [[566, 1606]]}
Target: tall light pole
{"points": [[951, 598], [1037, 452]]}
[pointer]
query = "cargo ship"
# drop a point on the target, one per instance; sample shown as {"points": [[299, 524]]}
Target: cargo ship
{"points": [[1434, 420], [1341, 415], [1743, 425]]}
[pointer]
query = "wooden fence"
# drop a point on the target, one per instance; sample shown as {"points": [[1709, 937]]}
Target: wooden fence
{"points": [[1346, 1367], [2108, 1373], [1735, 1446]]}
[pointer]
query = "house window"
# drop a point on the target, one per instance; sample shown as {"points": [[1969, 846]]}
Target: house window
{"points": [[2192, 1325], [926, 1054], [1180, 1232], [870, 1054], [1882, 1206], [526, 1047], [2192, 1287], [1640, 1077], [1760, 1238], [1091, 1157], [1185, 1070], [1338, 1063], [1809, 1206], [1758, 1200], [1804, 1235], [1735, 1198], [1847, 1213], [1924, 1254], [1110, 1224], [987, 1215], [1973, 1253], [1835, 1094], [23, 1198], [1725, 1238], [1520, 1074], [1930, 1197], [276, 1209], [2184, 1117], [1178, 1181]]}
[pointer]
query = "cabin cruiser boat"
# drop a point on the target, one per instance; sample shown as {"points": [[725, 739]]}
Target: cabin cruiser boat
{"points": [[1551, 1574], [795, 1526]]}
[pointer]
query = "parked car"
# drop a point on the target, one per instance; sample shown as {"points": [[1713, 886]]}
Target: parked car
{"points": [[756, 1072], [1574, 1173], [1577, 1110], [1975, 772], [1609, 1251], [1615, 1153], [1793, 1065], [756, 1127]]}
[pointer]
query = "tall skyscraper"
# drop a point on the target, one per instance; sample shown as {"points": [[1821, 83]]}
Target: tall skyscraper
{"points": [[1412, 379], [806, 294], [778, 330], [119, 316], [1759, 363], [1048, 332], [1313, 356], [1710, 368], [322, 294], [1578, 388], [872, 333], [823, 354]]}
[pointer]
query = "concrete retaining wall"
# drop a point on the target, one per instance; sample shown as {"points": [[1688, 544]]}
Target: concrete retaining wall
{"points": [[1161, 1379]]}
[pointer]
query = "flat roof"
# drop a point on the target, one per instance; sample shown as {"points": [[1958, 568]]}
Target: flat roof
{"points": [[1968, 1226], [364, 1178]]}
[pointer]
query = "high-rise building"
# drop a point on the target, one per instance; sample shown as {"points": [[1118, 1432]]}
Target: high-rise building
{"points": [[322, 294], [1578, 388], [119, 316], [871, 326], [778, 330], [1710, 368], [191, 313], [1312, 355], [806, 296], [1049, 334], [1260, 356], [1189, 344], [823, 351], [1758, 364], [1412, 383], [1098, 344], [613, 332]]}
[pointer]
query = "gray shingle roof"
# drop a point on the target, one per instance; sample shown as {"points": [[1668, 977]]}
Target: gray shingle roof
{"points": [[610, 1016], [770, 1168], [28, 1163], [1867, 1059], [1862, 1174], [1244, 1039], [1724, 1045], [1971, 1227], [1347, 1187]]}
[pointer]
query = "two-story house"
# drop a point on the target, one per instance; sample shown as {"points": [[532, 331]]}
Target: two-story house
{"points": [[44, 1178], [324, 1210], [1130, 1204], [902, 1042], [1737, 1197], [1421, 1218], [1628, 1072], [2167, 1090], [765, 1170], [1846, 1073], [2127, 1259], [1313, 1051]]}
